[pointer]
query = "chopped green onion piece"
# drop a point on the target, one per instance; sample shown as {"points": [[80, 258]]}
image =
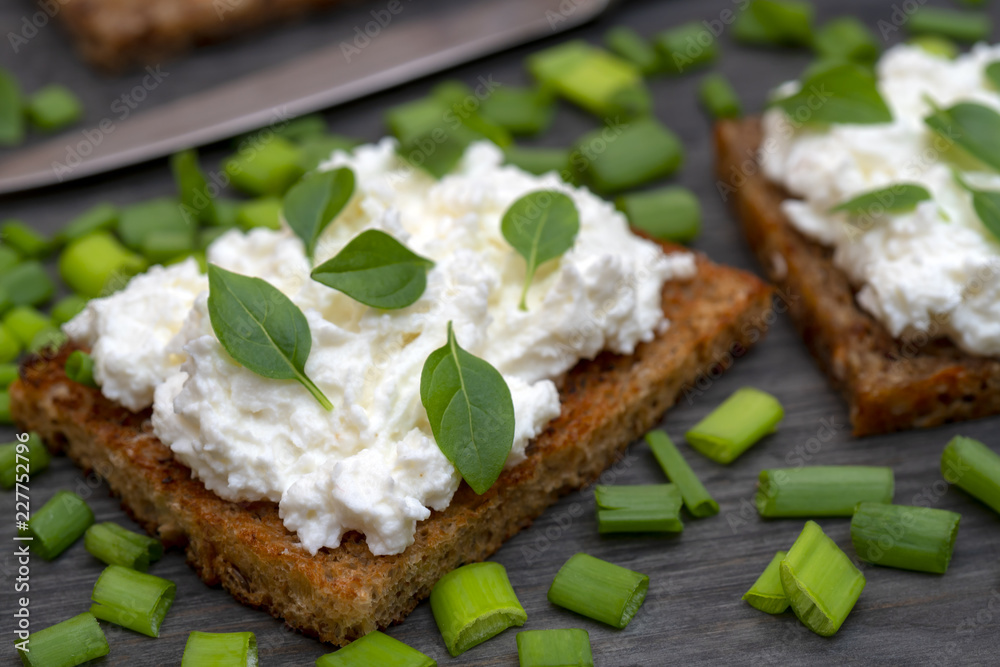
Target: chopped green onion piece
{"points": [[473, 604], [114, 545], [599, 590], [22, 458], [207, 237], [905, 537], [696, 498], [638, 508], [303, 129], [197, 202], [554, 648], [66, 309], [101, 218], [73, 642], [265, 167], [815, 491], [318, 150], [59, 524], [80, 368], [95, 265], [25, 322], [8, 373], [263, 212], [226, 210], [50, 338], [538, 160], [820, 581], [775, 23], [953, 24], [719, 98], [630, 45], [519, 110], [28, 284], [667, 214], [592, 78], [12, 126], [766, 594], [161, 245], [25, 240], [132, 599], [847, 38], [53, 108], [10, 346], [140, 220], [736, 425], [5, 416], [973, 467], [220, 649], [425, 140], [5, 301], [686, 47], [615, 159], [935, 45], [9, 258], [376, 648]]}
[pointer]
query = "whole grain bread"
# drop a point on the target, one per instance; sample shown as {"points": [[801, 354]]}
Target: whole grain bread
{"points": [[890, 384], [116, 34], [340, 594]]}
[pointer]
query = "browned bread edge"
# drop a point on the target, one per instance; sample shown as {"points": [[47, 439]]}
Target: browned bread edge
{"points": [[341, 594]]}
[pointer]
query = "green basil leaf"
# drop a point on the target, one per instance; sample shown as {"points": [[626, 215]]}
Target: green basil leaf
{"points": [[992, 72], [987, 206], [376, 270], [312, 203], [839, 93], [540, 226], [895, 198], [470, 410], [196, 203], [260, 328], [973, 127]]}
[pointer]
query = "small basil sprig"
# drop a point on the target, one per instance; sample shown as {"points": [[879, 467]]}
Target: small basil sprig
{"points": [[312, 203], [992, 73], [986, 204], [471, 412], [260, 328], [377, 270], [973, 127], [895, 198], [839, 93], [540, 226]]}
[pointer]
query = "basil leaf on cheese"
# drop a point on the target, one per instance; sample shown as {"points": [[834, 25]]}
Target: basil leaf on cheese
{"points": [[470, 410], [377, 270], [260, 328], [986, 203], [838, 93], [973, 127], [540, 226], [312, 203], [895, 198]]}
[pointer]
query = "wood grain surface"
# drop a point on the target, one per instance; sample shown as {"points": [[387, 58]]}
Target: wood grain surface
{"points": [[693, 614]]}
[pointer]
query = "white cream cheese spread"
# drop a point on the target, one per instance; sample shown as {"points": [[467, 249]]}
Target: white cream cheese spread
{"points": [[934, 270], [371, 465]]}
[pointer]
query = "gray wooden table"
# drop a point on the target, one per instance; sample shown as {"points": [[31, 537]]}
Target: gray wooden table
{"points": [[693, 614]]}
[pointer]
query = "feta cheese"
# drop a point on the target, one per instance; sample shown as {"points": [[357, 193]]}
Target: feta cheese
{"points": [[931, 271]]}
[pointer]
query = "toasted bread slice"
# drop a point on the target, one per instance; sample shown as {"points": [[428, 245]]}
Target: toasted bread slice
{"points": [[340, 594], [890, 384]]}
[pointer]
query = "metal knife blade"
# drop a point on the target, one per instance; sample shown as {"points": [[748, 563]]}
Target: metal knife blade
{"points": [[405, 51]]}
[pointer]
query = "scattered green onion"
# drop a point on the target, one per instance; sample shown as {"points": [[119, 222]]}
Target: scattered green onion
{"points": [[197, 202], [303, 129], [685, 47], [973, 467], [138, 221], [132, 599], [73, 642], [846, 38], [25, 240], [33, 449], [5, 416], [638, 508], [425, 140], [80, 368], [775, 23], [953, 24], [59, 524], [667, 214], [767, 594], [91, 264], [599, 590], [220, 649], [935, 45], [696, 498], [207, 237], [719, 98], [261, 212], [8, 373], [66, 309], [225, 212], [265, 167], [376, 648], [25, 322], [554, 648], [12, 126], [100, 218], [28, 284], [523, 111], [9, 258], [820, 581], [736, 425], [538, 160], [53, 108], [474, 603], [318, 150], [162, 245], [624, 158], [48, 339], [114, 545], [817, 491], [628, 44], [909, 538], [10, 346]]}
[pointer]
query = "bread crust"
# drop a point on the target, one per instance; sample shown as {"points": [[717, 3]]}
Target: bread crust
{"points": [[340, 594], [890, 384]]}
